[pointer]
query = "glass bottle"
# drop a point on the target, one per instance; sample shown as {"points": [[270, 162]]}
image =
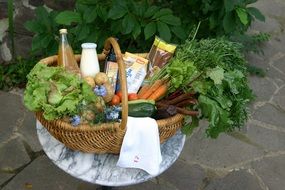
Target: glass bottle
{"points": [[110, 57], [111, 68], [89, 64], [66, 57]]}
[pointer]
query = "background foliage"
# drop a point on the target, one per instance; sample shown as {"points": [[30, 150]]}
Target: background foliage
{"points": [[135, 23]]}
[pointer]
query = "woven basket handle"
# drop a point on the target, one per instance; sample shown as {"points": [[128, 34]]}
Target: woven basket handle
{"points": [[122, 75]]}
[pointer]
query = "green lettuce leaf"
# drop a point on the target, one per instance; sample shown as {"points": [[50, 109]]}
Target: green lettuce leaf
{"points": [[56, 92]]}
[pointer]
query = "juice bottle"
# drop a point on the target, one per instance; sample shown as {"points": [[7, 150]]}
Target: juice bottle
{"points": [[66, 57]]}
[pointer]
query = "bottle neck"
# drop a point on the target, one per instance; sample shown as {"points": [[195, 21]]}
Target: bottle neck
{"points": [[63, 39], [112, 55]]}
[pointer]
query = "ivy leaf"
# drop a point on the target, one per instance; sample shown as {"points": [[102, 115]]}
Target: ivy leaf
{"points": [[230, 4], [216, 74], [137, 30], [170, 19], [117, 12], [213, 21], [84, 31], [242, 14], [46, 40], [128, 24], [87, 2], [149, 30], [89, 15], [256, 13], [67, 17], [229, 22], [102, 13], [250, 1], [43, 16], [36, 42], [179, 32], [162, 12], [116, 27], [164, 31], [93, 36], [151, 11], [139, 9], [33, 26], [80, 8]]}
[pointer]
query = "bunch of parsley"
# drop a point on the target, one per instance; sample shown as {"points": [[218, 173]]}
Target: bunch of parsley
{"points": [[215, 69]]}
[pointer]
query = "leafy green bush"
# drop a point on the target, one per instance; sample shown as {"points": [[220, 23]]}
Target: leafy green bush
{"points": [[135, 23], [219, 17], [45, 29]]}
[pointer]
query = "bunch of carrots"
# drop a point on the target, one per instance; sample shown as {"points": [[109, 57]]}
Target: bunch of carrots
{"points": [[154, 91], [168, 104]]}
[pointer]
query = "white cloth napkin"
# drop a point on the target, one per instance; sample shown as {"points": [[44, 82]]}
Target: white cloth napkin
{"points": [[141, 146]]}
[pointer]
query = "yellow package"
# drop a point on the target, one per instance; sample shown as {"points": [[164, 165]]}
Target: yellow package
{"points": [[112, 72], [136, 70], [160, 53]]}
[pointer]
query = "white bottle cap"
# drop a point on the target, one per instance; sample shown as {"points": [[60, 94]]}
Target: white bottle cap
{"points": [[63, 31], [88, 45]]}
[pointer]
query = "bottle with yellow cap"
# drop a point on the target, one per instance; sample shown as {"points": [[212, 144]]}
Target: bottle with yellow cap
{"points": [[66, 57]]}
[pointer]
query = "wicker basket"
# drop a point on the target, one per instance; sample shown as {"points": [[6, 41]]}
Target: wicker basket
{"points": [[106, 137]]}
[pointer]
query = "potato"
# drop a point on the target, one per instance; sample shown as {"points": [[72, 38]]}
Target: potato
{"points": [[90, 81], [101, 78], [88, 115], [110, 92]]}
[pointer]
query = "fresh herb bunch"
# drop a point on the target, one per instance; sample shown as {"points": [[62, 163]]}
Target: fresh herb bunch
{"points": [[215, 70]]}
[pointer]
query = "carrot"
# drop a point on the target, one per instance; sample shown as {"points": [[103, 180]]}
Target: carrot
{"points": [[186, 112], [174, 94], [186, 102], [143, 90], [179, 110], [159, 93], [180, 98], [152, 89]]}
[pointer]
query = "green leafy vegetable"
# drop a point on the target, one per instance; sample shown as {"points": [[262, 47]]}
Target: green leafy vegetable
{"points": [[56, 92], [215, 70]]}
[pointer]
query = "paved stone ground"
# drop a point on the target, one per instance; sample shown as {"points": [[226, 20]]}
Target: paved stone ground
{"points": [[253, 158]]}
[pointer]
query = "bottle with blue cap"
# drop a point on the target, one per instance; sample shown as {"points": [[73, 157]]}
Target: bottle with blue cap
{"points": [[89, 64]]}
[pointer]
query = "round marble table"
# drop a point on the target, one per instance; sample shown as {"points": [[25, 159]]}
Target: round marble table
{"points": [[101, 168]]}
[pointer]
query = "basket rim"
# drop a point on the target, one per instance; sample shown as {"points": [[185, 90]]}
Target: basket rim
{"points": [[61, 124]]}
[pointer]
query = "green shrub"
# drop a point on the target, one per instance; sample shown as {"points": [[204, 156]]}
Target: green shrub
{"points": [[135, 23]]}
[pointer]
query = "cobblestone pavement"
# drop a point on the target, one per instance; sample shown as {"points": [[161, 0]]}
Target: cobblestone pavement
{"points": [[253, 158]]}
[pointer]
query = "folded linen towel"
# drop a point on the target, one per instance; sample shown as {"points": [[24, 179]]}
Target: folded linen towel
{"points": [[141, 146]]}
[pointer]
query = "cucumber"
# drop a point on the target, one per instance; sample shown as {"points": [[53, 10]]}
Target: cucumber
{"points": [[141, 108]]}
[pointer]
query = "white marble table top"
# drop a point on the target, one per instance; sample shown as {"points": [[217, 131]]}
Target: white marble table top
{"points": [[101, 168]]}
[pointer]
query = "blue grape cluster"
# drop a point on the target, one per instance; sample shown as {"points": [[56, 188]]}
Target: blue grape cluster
{"points": [[112, 113], [75, 120], [100, 90]]}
